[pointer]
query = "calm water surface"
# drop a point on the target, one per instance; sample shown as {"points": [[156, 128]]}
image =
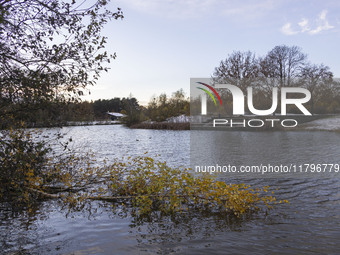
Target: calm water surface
{"points": [[309, 225]]}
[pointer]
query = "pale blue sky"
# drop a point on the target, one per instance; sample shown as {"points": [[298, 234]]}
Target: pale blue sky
{"points": [[160, 45]]}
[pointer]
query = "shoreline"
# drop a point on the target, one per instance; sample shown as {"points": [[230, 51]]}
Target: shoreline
{"points": [[330, 123]]}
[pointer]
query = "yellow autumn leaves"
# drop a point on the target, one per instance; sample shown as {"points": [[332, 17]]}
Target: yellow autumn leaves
{"points": [[153, 185], [29, 173]]}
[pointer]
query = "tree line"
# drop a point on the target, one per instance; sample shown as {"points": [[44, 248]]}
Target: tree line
{"points": [[283, 66], [159, 108], [58, 113]]}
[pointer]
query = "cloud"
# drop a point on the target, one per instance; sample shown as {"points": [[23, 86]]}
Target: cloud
{"points": [[322, 15], [303, 24], [287, 29], [185, 9], [320, 24], [323, 24]]}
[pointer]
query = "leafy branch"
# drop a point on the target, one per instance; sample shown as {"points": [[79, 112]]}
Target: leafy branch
{"points": [[29, 174]]}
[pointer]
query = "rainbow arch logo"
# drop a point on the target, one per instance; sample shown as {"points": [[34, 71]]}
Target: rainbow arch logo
{"points": [[209, 93]]}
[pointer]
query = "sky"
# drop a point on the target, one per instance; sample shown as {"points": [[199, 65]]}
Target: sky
{"points": [[161, 44]]}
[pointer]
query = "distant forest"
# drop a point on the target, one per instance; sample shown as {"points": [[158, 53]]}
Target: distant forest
{"points": [[58, 113]]}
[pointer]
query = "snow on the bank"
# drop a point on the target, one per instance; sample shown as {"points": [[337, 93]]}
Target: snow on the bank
{"points": [[179, 119], [332, 123]]}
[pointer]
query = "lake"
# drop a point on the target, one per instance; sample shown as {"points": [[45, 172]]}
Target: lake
{"points": [[310, 224]]}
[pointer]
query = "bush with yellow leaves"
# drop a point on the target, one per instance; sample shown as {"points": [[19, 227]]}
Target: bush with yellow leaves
{"points": [[153, 185], [29, 173]]}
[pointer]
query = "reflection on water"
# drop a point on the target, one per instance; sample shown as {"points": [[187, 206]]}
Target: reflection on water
{"points": [[310, 224]]}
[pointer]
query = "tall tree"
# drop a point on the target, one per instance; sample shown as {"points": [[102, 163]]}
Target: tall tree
{"points": [[283, 63], [49, 50], [238, 68], [317, 79], [132, 108]]}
